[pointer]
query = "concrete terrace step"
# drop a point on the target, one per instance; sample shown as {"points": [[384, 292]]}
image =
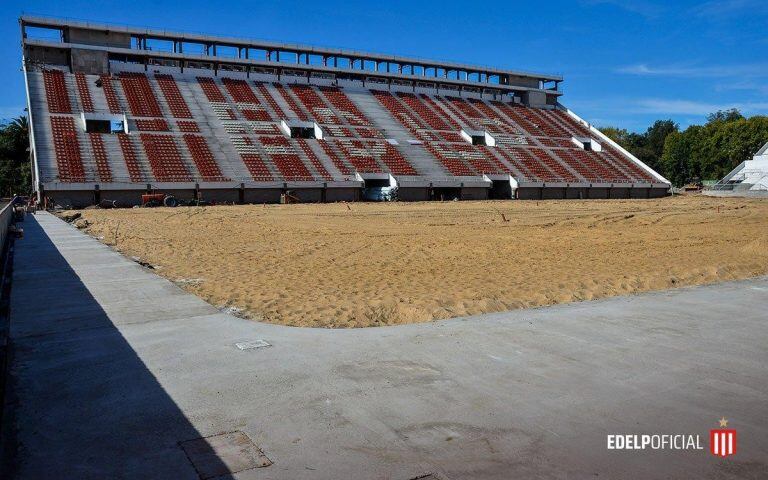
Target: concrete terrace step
{"points": [[423, 161]]}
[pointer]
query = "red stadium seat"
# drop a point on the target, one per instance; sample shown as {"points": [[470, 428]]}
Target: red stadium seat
{"points": [[67, 149], [56, 92]]}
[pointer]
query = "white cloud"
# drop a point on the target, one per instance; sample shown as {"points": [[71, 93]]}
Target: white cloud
{"points": [[692, 107], [690, 71], [744, 85], [635, 113]]}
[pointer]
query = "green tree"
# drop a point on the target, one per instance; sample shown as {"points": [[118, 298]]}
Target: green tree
{"points": [[15, 173], [677, 162], [725, 116], [653, 142], [712, 150], [618, 135], [648, 147]]}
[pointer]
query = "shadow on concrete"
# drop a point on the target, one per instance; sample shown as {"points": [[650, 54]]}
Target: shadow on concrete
{"points": [[79, 395]]}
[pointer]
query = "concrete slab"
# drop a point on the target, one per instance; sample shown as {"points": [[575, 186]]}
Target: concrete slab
{"points": [[110, 377], [222, 454]]}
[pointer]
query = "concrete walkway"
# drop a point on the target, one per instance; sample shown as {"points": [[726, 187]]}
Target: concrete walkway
{"points": [[114, 369]]}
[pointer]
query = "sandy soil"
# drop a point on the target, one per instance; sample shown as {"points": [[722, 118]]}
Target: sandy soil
{"points": [[339, 265]]}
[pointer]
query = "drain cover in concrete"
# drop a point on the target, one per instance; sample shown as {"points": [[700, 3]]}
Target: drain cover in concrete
{"points": [[224, 453], [253, 344]]}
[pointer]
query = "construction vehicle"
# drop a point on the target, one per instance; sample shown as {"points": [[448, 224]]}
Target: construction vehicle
{"points": [[694, 185], [158, 199]]}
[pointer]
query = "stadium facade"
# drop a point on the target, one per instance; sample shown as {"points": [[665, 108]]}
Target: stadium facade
{"points": [[118, 111]]}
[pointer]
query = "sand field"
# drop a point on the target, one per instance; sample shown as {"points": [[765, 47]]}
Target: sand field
{"points": [[370, 264]]}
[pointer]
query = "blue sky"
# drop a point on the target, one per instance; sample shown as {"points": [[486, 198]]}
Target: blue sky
{"points": [[625, 64]]}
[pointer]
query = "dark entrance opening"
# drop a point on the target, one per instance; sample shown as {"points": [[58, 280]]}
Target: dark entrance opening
{"points": [[446, 193], [478, 140], [303, 132], [103, 126], [500, 190]]}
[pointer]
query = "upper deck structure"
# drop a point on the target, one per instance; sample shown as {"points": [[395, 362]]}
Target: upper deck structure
{"points": [[118, 110]]}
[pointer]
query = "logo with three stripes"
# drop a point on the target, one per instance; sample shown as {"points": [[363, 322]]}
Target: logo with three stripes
{"points": [[722, 441]]}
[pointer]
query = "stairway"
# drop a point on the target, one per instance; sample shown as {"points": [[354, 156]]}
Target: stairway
{"points": [[212, 129], [417, 155], [46, 156]]}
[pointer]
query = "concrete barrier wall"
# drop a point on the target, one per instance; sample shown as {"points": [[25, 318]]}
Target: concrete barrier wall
{"points": [[6, 267], [129, 198], [594, 193], [6, 215], [470, 193], [418, 194], [342, 195]]}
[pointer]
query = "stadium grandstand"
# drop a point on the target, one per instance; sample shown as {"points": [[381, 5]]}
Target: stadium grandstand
{"points": [[118, 111], [749, 178]]}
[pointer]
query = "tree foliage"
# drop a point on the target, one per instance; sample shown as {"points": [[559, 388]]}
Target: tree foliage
{"points": [[705, 152], [15, 173], [648, 146]]}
